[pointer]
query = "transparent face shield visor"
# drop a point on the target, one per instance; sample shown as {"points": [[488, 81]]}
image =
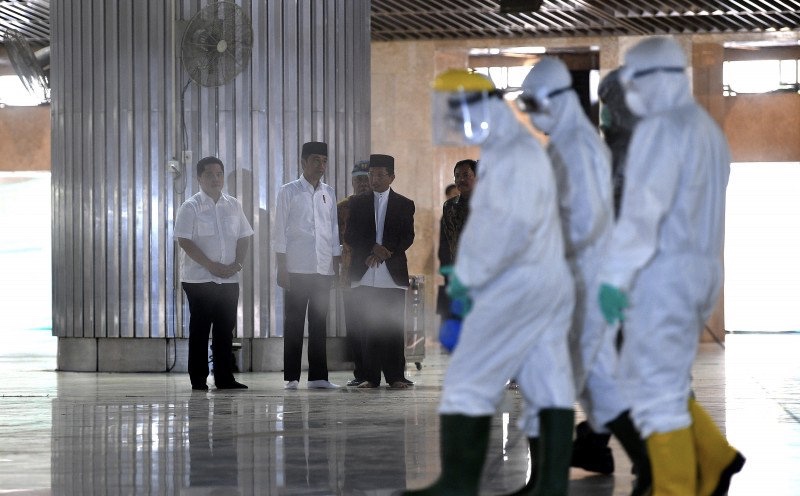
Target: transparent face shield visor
{"points": [[460, 118]]}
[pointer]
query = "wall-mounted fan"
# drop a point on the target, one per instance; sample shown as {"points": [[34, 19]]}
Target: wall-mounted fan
{"points": [[216, 44], [32, 68]]}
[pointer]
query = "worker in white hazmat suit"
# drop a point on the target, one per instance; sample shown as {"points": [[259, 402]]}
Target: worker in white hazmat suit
{"points": [[582, 166], [510, 262], [663, 272]]}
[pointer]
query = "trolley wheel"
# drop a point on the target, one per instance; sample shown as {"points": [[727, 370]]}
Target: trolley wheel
{"points": [[419, 365]]}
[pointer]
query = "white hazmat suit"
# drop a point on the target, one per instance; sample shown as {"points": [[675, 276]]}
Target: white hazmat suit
{"points": [[582, 166], [511, 258], [665, 260], [510, 263], [667, 245]]}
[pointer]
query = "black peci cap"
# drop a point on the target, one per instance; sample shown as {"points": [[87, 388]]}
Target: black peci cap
{"points": [[314, 148], [378, 160]]}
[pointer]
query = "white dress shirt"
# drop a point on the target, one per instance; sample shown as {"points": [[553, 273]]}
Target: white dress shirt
{"points": [[379, 277], [307, 227], [215, 228]]}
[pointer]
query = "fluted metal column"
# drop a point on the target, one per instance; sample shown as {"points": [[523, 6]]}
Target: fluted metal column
{"points": [[120, 113]]}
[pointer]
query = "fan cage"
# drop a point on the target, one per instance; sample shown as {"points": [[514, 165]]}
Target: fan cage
{"points": [[216, 44]]}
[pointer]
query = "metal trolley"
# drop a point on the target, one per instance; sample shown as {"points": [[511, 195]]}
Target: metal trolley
{"points": [[415, 320]]}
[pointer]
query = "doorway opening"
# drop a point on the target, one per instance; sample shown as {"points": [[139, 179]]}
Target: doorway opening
{"points": [[507, 68], [25, 262], [762, 248]]}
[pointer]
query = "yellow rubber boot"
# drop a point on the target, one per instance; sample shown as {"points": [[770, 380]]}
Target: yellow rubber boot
{"points": [[673, 463], [717, 460]]}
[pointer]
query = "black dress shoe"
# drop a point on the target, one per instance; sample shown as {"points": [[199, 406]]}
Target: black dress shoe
{"points": [[200, 387], [590, 450], [231, 385], [407, 381], [354, 382]]}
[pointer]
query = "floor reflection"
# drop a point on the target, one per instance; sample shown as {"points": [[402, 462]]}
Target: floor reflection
{"points": [[113, 435], [82, 433], [213, 458]]}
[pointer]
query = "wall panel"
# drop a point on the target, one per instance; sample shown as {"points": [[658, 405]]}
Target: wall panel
{"points": [[123, 106]]}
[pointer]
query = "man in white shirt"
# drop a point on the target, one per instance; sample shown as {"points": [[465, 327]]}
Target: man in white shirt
{"points": [[214, 234], [380, 229], [306, 244]]}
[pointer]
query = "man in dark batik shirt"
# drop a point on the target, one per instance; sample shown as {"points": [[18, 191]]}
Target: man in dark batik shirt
{"points": [[454, 216]]}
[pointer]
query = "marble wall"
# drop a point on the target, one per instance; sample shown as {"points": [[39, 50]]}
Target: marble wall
{"points": [[401, 77], [25, 138]]}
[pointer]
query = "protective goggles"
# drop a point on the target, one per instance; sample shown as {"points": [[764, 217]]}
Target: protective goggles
{"points": [[534, 105], [626, 75]]}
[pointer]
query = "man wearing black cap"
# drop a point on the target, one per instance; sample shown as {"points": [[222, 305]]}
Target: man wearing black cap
{"points": [[380, 229], [306, 244], [360, 183]]}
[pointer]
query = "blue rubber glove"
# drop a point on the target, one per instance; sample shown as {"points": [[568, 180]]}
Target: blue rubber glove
{"points": [[612, 302], [460, 305], [449, 332], [451, 328]]}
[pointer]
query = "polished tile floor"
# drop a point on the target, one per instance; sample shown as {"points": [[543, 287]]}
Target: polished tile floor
{"points": [[83, 433]]}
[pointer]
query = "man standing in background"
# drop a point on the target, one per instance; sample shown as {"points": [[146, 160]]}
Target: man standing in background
{"points": [[380, 229], [214, 234], [360, 182], [306, 244], [454, 215]]}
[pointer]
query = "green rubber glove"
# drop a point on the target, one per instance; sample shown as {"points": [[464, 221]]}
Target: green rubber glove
{"points": [[455, 288], [460, 302], [612, 302]]}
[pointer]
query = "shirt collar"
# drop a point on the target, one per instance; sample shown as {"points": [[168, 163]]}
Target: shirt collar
{"points": [[308, 185], [204, 198], [382, 195]]}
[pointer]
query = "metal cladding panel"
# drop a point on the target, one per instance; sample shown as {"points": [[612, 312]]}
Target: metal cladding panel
{"points": [[112, 170], [86, 151], [57, 203], [100, 197], [123, 106]]}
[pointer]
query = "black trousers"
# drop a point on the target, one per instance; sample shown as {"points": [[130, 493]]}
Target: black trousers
{"points": [[212, 309], [382, 324], [354, 344], [309, 292]]}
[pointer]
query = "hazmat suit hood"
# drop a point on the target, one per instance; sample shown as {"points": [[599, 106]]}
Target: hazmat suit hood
{"points": [[549, 85], [654, 77]]}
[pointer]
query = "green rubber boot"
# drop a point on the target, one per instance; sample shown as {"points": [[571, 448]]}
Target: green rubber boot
{"points": [[554, 452], [463, 450], [628, 436]]}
